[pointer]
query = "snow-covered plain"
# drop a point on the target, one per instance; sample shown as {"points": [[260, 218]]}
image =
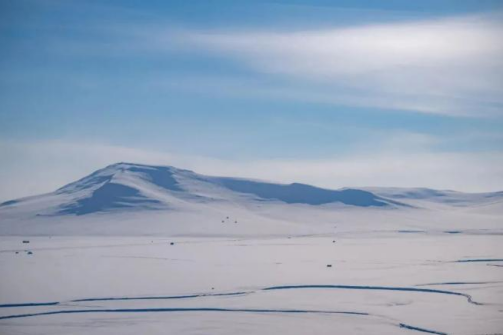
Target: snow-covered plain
{"points": [[169, 251]]}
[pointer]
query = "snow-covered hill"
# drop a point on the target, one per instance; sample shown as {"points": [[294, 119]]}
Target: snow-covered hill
{"points": [[126, 186], [446, 197], [125, 199]]}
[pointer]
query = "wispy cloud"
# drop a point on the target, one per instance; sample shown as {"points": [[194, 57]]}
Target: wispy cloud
{"points": [[38, 167], [449, 66]]}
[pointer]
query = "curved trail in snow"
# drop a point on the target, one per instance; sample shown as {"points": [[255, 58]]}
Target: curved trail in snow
{"points": [[210, 309], [163, 297], [176, 309], [374, 288], [271, 288], [242, 310], [230, 310]]}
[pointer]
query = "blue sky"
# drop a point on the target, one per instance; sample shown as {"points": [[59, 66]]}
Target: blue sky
{"points": [[333, 93]]}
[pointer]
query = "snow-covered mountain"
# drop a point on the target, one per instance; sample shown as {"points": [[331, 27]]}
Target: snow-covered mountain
{"points": [[183, 200], [125, 186]]}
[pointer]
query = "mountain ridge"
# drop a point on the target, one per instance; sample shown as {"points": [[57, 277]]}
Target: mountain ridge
{"points": [[132, 186], [126, 199], [127, 185]]}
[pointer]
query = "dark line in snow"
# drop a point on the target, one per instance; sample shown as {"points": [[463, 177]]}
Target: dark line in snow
{"points": [[461, 283], [376, 288], [161, 298], [207, 309], [347, 287], [479, 260], [403, 325], [154, 310], [30, 304]]}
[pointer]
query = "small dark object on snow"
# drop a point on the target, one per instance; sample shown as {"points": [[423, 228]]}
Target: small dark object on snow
{"points": [[212, 288], [223, 221], [172, 243], [26, 241], [333, 241], [329, 265], [30, 253], [17, 252], [235, 222], [227, 217]]}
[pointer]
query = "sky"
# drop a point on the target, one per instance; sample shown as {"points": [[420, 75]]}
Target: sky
{"points": [[330, 93]]}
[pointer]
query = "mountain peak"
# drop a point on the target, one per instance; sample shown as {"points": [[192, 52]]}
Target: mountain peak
{"points": [[128, 166], [134, 186], [160, 175], [168, 199]]}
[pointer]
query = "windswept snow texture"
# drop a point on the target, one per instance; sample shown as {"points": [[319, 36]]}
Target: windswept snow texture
{"points": [[223, 286]]}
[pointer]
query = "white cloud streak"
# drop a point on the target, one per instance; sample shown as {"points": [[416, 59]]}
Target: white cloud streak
{"points": [[450, 66], [34, 168]]}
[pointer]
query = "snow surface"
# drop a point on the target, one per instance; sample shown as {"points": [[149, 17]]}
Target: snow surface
{"points": [[135, 249], [140, 285]]}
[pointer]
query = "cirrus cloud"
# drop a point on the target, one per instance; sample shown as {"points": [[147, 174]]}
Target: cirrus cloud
{"points": [[451, 66]]}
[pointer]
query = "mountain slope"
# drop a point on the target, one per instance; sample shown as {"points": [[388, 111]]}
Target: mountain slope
{"points": [[130, 199], [132, 186], [445, 197]]}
